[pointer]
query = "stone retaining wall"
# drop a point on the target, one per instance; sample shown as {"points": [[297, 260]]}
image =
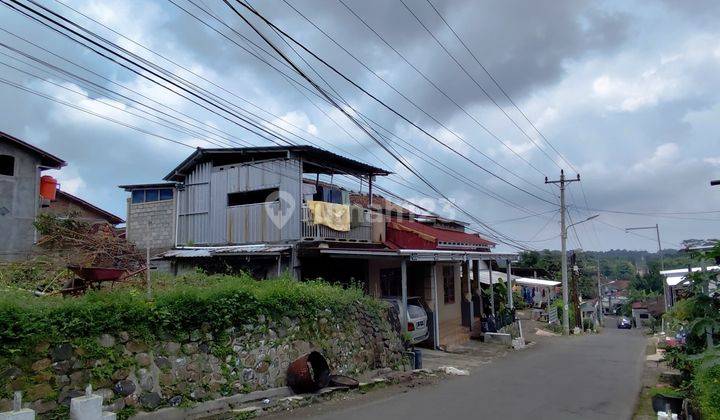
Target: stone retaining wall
{"points": [[133, 374]]}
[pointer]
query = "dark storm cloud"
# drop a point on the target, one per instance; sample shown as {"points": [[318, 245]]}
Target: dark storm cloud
{"points": [[627, 92]]}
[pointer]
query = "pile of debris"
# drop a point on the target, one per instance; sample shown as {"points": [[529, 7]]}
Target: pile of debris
{"points": [[73, 255], [84, 244]]}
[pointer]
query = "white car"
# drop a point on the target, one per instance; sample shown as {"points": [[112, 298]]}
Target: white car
{"points": [[417, 318]]}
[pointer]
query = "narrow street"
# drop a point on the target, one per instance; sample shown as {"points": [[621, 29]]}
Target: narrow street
{"points": [[588, 377]]}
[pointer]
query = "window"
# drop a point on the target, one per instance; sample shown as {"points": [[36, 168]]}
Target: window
{"points": [[390, 282], [166, 194], [151, 195], [449, 283], [266, 195], [144, 196], [7, 165], [138, 196]]}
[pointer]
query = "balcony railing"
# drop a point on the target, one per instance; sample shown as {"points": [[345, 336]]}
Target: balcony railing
{"points": [[312, 232]]}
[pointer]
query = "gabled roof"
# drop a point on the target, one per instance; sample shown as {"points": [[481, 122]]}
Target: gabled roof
{"points": [[315, 160], [111, 218], [46, 159]]}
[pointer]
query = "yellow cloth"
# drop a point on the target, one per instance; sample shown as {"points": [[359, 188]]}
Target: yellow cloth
{"points": [[334, 216]]}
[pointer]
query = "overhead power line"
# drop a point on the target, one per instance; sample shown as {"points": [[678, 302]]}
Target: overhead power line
{"points": [[418, 107], [391, 109], [482, 89], [507, 240], [499, 86]]}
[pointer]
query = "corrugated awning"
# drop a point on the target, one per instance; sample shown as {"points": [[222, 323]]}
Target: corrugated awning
{"points": [[685, 270], [536, 282], [674, 280], [497, 277], [213, 251], [679, 276], [429, 255]]}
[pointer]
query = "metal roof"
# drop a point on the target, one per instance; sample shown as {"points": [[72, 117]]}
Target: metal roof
{"points": [[679, 276], [685, 270], [47, 160], [213, 251], [315, 160], [130, 187], [536, 282], [498, 276]]}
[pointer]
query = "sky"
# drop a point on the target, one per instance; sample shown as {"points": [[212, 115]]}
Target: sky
{"points": [[624, 93]]}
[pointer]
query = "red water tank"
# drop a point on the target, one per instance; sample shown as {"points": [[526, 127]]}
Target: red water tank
{"points": [[48, 187]]}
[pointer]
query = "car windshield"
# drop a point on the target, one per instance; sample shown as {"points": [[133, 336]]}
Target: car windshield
{"points": [[415, 311]]}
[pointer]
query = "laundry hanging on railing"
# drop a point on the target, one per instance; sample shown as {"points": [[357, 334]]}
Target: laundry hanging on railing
{"points": [[335, 216]]}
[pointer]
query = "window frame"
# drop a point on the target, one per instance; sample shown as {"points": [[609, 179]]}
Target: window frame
{"points": [[12, 160], [144, 193], [249, 194], [160, 194]]}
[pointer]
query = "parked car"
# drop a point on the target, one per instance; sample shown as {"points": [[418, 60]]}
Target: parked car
{"points": [[624, 323], [417, 318]]}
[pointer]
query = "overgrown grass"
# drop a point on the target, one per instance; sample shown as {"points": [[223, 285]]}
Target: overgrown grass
{"points": [[706, 385], [179, 305]]}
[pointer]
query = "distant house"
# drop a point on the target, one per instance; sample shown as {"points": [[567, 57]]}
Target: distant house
{"points": [[21, 165], [265, 210], [68, 205]]}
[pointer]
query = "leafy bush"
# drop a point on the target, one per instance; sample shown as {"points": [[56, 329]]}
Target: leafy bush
{"points": [[558, 303], [192, 302], [706, 385]]}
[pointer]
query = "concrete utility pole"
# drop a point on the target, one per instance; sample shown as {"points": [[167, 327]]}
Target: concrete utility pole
{"points": [[601, 315], [148, 235], [509, 286], [492, 289], [575, 294], [563, 240]]}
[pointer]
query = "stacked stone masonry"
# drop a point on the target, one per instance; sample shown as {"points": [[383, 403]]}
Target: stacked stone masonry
{"points": [[134, 375]]}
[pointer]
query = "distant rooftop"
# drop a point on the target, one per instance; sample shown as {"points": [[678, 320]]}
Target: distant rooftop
{"points": [[315, 160], [113, 219]]}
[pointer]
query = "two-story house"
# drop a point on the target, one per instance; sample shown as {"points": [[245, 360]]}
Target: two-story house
{"points": [[266, 211], [21, 166]]}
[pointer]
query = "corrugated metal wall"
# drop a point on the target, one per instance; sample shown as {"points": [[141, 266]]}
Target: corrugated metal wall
{"points": [[194, 210], [205, 217]]}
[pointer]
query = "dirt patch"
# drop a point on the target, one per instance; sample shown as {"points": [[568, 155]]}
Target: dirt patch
{"points": [[394, 384], [650, 378]]}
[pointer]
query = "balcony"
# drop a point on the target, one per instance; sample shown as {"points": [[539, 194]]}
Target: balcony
{"points": [[312, 232]]}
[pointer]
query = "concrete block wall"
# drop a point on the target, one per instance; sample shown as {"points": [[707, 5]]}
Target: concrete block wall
{"points": [[19, 200], [152, 224]]}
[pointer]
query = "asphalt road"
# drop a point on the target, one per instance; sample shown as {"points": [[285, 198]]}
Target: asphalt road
{"points": [[588, 377]]}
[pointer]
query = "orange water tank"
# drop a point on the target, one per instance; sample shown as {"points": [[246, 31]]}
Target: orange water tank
{"points": [[48, 187]]}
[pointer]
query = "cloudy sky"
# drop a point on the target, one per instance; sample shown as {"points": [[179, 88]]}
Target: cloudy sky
{"points": [[626, 92]]}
